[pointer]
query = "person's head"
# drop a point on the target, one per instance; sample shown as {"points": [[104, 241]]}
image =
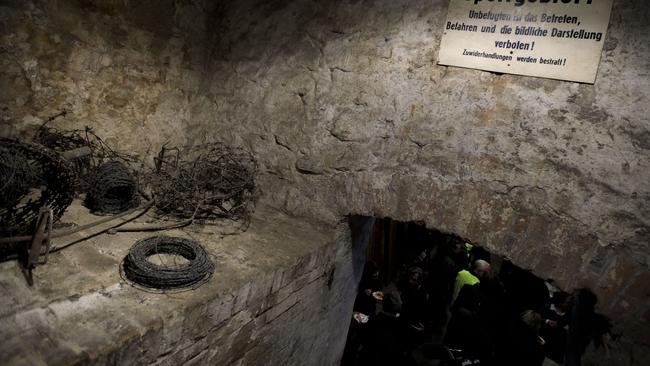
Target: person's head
{"points": [[584, 300], [371, 270], [482, 269], [415, 277], [375, 274], [562, 301], [532, 320]]}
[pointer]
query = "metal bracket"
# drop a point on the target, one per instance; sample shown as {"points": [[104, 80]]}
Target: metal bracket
{"points": [[40, 239]]}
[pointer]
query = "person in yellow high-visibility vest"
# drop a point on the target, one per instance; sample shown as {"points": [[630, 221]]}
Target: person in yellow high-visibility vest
{"points": [[480, 269]]}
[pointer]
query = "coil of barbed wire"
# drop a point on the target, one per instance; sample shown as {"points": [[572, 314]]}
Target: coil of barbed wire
{"points": [[206, 182], [138, 269], [15, 178], [86, 166], [113, 189], [32, 177]]}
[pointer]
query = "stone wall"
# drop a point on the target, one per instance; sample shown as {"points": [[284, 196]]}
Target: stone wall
{"points": [[346, 109], [127, 69], [345, 106]]}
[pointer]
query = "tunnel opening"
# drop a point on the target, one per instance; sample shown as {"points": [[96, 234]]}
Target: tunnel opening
{"points": [[432, 298]]}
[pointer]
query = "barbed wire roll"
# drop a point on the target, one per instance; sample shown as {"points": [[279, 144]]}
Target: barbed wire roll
{"points": [[32, 177], [113, 189], [139, 270], [86, 166], [15, 179]]}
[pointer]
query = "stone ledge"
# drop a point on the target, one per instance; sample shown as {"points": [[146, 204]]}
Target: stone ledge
{"points": [[266, 281]]}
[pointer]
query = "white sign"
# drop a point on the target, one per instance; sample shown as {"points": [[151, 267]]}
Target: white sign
{"points": [[557, 39]]}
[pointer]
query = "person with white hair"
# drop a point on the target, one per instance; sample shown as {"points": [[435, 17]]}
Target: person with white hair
{"points": [[480, 270], [474, 311]]}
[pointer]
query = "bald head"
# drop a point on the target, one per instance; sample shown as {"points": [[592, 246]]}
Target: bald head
{"points": [[482, 269]]}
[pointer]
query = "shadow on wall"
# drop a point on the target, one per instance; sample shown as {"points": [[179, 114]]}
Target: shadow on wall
{"points": [[263, 30], [361, 228]]}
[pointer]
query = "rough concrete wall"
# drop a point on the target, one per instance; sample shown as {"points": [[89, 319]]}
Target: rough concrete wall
{"points": [[344, 105], [346, 108], [128, 69]]}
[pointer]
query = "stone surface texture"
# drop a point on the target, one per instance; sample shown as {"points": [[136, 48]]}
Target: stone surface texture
{"points": [[346, 109], [281, 293]]}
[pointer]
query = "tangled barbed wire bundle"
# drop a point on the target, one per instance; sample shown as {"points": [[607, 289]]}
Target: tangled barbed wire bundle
{"points": [[32, 177], [205, 182], [85, 166], [16, 178]]}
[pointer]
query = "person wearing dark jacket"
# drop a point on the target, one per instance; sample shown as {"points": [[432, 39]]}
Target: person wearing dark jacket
{"points": [[385, 344], [370, 283], [523, 347], [478, 319], [556, 320], [415, 307]]}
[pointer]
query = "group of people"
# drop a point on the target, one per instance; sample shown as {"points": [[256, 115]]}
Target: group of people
{"points": [[448, 305]]}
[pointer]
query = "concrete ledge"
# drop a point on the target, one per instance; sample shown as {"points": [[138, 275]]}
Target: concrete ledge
{"points": [[281, 293]]}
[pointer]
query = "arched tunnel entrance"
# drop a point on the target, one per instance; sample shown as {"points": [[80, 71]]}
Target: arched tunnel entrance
{"points": [[432, 298]]}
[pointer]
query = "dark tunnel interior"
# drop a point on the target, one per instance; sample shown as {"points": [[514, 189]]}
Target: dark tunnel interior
{"points": [[431, 298]]}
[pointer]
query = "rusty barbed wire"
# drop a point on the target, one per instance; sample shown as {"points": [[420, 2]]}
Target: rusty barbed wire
{"points": [[137, 268], [32, 177], [113, 189], [15, 179], [206, 182], [85, 167]]}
